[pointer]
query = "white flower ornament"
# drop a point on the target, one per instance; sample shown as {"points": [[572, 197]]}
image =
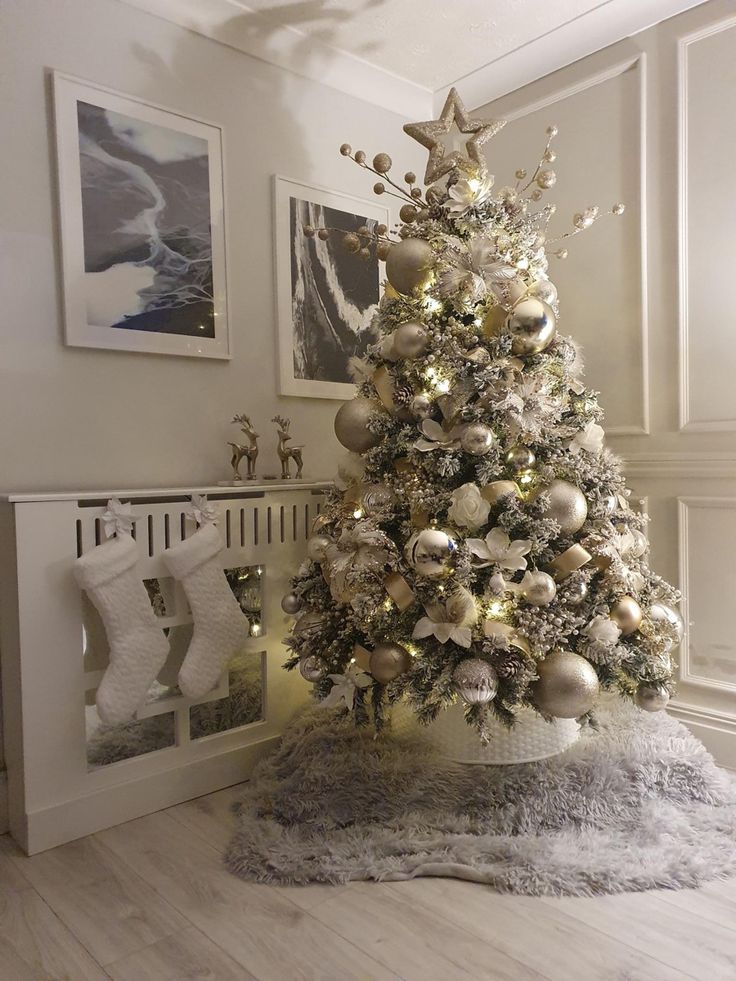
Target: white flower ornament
{"points": [[449, 621], [434, 437], [589, 439], [201, 511], [469, 509], [344, 687], [497, 548], [118, 519], [603, 630]]}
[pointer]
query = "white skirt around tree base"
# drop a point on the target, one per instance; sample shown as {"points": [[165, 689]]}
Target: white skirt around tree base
{"points": [[531, 738]]}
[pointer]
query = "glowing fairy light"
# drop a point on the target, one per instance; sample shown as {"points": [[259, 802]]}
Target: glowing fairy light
{"points": [[358, 513], [432, 304], [443, 386]]}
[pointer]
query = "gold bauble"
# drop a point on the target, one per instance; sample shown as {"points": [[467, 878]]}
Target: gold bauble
{"points": [[410, 339], [651, 698], [382, 163], [429, 552], [351, 242], [538, 588], [531, 324], [475, 681], [312, 668], [291, 603], [567, 686], [520, 458], [388, 661], [318, 546], [665, 616], [409, 265], [567, 506], [498, 490], [626, 614], [382, 250], [408, 213], [351, 426]]}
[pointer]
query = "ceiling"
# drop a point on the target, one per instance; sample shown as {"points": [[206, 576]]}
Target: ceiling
{"points": [[404, 54], [407, 37]]}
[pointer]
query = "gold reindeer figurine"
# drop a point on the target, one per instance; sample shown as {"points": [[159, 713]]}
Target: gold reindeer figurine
{"points": [[285, 452], [250, 452]]}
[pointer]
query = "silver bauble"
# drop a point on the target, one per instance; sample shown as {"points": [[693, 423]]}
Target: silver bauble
{"points": [[567, 686], [544, 290], [388, 661], [291, 603], [409, 265], [665, 616], [312, 668], [651, 698], [498, 490], [520, 458], [421, 406], [429, 552], [475, 681], [640, 543], [539, 589], [409, 340], [476, 439], [309, 625], [317, 547], [531, 324], [567, 506], [626, 614], [609, 503], [378, 497], [351, 426], [576, 593]]}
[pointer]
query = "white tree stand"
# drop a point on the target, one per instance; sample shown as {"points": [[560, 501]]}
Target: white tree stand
{"points": [[530, 739]]}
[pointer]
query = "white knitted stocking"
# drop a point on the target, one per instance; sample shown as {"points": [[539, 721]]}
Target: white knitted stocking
{"points": [[220, 626], [137, 644]]}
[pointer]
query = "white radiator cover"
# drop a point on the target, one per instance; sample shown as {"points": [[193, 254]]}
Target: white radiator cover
{"points": [[53, 796]]}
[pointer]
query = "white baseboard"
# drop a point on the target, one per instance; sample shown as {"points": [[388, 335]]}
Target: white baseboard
{"points": [[716, 731]]}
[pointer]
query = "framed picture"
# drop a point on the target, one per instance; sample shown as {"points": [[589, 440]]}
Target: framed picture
{"points": [[142, 225], [326, 295]]}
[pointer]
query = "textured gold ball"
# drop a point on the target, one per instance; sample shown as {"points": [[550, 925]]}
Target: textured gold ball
{"points": [[475, 681], [408, 213], [291, 603], [351, 426], [379, 187], [351, 242], [308, 231], [651, 698], [410, 177], [312, 668], [499, 490], [477, 439], [346, 149], [540, 589], [546, 179], [410, 339], [360, 156], [567, 686], [323, 234], [318, 546], [665, 616], [567, 506], [382, 163], [365, 252], [409, 265], [618, 209], [416, 192], [626, 614], [531, 324], [520, 458], [552, 131], [429, 552], [388, 661], [382, 250]]}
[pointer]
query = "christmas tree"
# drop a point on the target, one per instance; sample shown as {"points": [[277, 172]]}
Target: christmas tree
{"points": [[480, 542]]}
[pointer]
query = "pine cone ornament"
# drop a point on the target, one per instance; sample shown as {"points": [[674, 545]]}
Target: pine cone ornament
{"points": [[508, 664], [403, 395]]}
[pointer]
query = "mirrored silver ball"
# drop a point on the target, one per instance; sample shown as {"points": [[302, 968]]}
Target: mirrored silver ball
{"points": [[388, 661], [576, 593], [318, 546], [429, 552], [291, 603], [539, 588], [531, 324], [312, 668], [664, 616], [410, 339], [520, 458], [651, 698], [477, 439]]}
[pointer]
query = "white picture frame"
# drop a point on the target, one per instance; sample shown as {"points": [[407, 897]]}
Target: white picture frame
{"points": [[151, 274], [313, 365]]}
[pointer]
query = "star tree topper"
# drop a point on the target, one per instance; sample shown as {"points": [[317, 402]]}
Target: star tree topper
{"points": [[430, 135]]}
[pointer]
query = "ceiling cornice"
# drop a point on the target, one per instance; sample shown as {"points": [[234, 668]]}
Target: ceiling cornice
{"points": [[231, 22]]}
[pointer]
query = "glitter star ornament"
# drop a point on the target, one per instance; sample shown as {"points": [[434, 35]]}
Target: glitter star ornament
{"points": [[430, 134]]}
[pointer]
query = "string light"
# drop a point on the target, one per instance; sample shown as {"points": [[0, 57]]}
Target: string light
{"points": [[255, 629], [443, 386], [358, 513], [432, 304]]}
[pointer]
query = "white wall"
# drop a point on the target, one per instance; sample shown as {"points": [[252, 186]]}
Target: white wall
{"points": [[72, 418], [646, 122]]}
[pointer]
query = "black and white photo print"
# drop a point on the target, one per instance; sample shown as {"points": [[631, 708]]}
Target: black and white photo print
{"points": [[327, 296], [149, 217]]}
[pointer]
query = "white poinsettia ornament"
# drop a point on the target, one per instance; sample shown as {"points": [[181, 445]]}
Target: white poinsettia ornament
{"points": [[603, 630], [434, 437], [344, 687], [201, 511], [466, 193], [589, 439], [497, 548], [469, 509], [449, 621], [118, 518]]}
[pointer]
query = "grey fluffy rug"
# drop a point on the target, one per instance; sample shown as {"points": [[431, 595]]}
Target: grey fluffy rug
{"points": [[637, 804]]}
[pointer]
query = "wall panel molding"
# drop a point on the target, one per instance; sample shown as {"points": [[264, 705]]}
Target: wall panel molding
{"points": [[680, 465], [636, 63], [687, 423], [685, 546]]}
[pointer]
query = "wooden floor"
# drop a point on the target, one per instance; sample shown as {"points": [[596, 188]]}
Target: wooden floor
{"points": [[150, 901]]}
